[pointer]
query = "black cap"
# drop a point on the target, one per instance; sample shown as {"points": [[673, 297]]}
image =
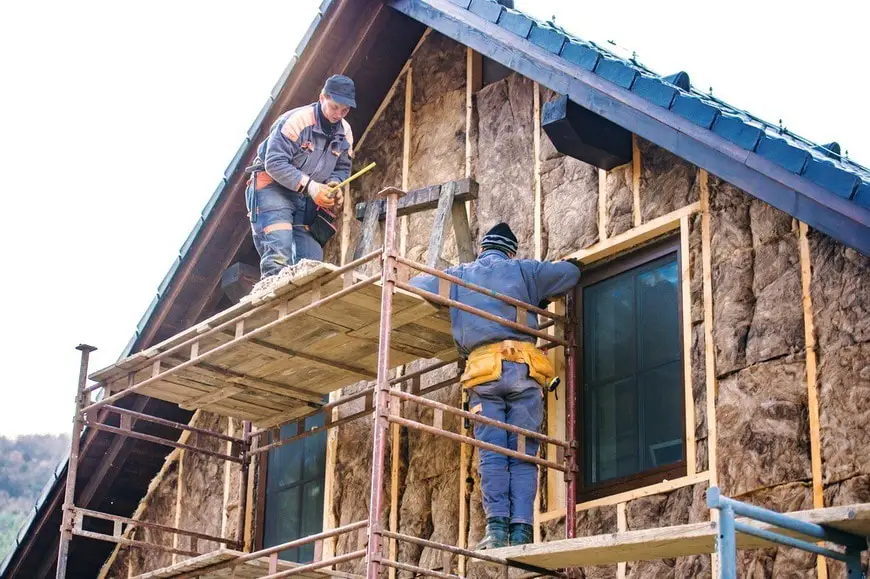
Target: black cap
{"points": [[501, 238], [341, 89]]}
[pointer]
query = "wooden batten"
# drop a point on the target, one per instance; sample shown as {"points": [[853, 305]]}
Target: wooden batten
{"points": [[635, 180], [602, 205], [686, 295], [621, 526], [812, 382], [178, 502], [231, 430], [709, 348], [539, 209], [556, 491], [329, 519]]}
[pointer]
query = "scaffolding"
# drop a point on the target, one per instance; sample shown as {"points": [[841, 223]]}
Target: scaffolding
{"points": [[251, 327], [393, 325]]}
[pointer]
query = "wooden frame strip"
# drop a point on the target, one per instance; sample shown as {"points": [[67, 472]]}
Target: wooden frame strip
{"points": [[621, 526], [538, 211], [556, 488], [635, 236], [635, 180], [602, 205], [662, 487], [812, 381], [225, 516], [709, 348], [686, 310]]}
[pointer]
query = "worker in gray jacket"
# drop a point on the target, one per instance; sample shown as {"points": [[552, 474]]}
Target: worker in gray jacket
{"points": [[308, 151], [504, 372]]}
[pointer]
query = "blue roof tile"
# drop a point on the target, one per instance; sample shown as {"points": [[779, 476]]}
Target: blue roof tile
{"points": [[516, 22], [237, 159], [547, 38], [324, 6], [862, 195], [282, 80], [167, 279], [831, 177], [679, 80], [783, 153], [616, 71], [698, 111], [581, 54], [191, 237], [462, 3], [206, 211], [255, 126], [300, 48], [737, 130], [654, 90], [487, 9], [150, 310]]}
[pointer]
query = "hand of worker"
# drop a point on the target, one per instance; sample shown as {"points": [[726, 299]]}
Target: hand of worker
{"points": [[337, 195], [318, 193]]}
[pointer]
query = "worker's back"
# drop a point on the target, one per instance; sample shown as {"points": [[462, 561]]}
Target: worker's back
{"points": [[527, 280]]}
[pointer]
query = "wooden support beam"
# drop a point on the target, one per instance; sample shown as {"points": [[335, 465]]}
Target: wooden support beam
{"points": [[662, 487], [423, 199], [406, 162], [812, 381], [178, 501], [329, 519], [538, 212], [439, 227], [635, 236], [225, 515], [462, 232], [556, 491], [211, 397], [709, 346], [602, 205], [621, 526], [686, 314], [635, 180]]}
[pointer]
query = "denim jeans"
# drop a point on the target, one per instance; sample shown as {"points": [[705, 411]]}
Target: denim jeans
{"points": [[277, 226], [508, 485]]}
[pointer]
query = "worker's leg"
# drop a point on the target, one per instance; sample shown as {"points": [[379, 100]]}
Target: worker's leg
{"points": [[494, 479], [274, 239], [272, 214], [525, 409]]}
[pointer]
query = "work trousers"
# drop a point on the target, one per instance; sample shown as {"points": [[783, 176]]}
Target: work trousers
{"points": [[508, 485], [278, 230]]}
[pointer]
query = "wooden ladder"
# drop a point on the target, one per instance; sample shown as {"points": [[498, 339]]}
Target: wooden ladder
{"points": [[447, 199]]}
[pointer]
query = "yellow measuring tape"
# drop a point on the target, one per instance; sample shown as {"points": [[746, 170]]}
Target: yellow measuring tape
{"points": [[359, 173]]}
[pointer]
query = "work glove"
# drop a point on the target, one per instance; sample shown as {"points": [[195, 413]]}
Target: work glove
{"points": [[337, 196], [317, 192]]}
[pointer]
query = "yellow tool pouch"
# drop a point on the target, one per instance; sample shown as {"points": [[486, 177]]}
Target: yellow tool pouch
{"points": [[484, 363]]}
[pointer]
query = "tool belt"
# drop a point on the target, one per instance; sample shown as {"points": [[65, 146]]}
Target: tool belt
{"points": [[484, 363]]}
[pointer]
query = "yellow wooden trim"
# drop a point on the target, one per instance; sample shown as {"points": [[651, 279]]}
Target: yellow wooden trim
{"points": [[686, 291], [231, 430], [556, 488], [538, 211], [329, 519], [635, 180], [621, 526], [635, 236], [662, 487], [812, 382]]}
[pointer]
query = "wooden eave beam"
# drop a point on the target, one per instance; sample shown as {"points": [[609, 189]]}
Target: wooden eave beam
{"points": [[835, 216]]}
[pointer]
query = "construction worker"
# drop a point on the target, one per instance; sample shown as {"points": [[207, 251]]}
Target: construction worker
{"points": [[308, 151], [504, 372]]}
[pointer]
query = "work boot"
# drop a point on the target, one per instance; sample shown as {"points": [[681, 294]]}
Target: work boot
{"points": [[521, 533], [496, 535]]}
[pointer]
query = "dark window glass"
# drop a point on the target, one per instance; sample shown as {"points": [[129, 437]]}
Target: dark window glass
{"points": [[294, 491], [631, 419]]}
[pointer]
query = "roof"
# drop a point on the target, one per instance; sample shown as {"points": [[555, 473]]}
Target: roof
{"points": [[811, 182]]}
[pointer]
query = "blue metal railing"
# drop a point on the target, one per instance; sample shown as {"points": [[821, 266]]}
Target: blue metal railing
{"points": [[726, 542]]}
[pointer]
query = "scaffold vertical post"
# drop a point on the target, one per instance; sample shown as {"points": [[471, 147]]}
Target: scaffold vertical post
{"points": [[66, 527], [382, 388], [571, 415], [243, 482]]}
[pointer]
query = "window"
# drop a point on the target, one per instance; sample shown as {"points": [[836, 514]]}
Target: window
{"points": [[293, 504], [631, 426]]}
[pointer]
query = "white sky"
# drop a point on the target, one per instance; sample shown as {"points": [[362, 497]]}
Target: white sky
{"points": [[117, 120]]}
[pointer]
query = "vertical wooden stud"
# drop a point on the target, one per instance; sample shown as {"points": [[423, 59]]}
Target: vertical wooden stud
{"points": [[635, 179], [686, 294]]}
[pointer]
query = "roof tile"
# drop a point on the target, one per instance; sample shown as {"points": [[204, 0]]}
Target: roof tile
{"points": [[547, 38], [737, 130], [697, 110], [487, 9], [581, 54], [237, 159], [616, 71], [255, 126], [831, 177], [462, 3], [516, 22], [783, 153], [654, 90], [206, 211]]}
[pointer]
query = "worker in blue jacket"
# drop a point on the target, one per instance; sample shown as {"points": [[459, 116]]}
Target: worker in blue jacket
{"points": [[504, 372], [308, 151]]}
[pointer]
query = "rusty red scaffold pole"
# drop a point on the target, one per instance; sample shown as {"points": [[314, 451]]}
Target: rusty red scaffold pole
{"points": [[382, 389], [66, 529]]}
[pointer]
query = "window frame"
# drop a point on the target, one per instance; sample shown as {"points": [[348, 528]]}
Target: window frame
{"points": [[593, 274]]}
